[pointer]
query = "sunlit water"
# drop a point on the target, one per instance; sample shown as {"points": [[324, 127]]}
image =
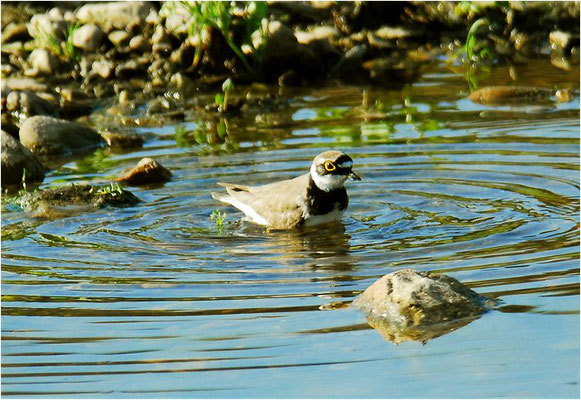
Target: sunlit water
{"points": [[156, 300]]}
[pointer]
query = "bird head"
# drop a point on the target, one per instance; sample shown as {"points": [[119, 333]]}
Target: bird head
{"points": [[331, 169]]}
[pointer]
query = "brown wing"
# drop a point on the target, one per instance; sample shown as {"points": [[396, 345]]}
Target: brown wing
{"points": [[279, 203]]}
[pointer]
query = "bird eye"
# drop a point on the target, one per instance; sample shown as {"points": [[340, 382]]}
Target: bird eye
{"points": [[329, 166]]}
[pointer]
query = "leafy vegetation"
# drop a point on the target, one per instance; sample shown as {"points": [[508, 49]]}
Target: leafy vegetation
{"points": [[61, 48], [222, 98], [219, 218], [219, 15]]}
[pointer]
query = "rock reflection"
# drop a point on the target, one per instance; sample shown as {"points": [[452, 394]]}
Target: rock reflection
{"points": [[418, 333]]}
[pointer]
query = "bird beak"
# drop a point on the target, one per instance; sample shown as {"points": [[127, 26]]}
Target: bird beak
{"points": [[353, 176]]}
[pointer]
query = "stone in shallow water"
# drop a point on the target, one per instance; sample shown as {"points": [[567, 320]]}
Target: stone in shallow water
{"points": [[409, 305], [75, 199], [47, 135], [16, 159], [146, 171]]}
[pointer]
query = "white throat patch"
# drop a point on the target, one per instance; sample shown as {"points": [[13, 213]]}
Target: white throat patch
{"points": [[327, 182]]}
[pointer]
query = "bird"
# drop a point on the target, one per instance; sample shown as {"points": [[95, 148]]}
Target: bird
{"points": [[316, 197]]}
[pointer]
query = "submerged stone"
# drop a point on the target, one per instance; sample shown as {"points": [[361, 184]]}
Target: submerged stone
{"points": [[67, 200], [409, 305], [507, 94]]}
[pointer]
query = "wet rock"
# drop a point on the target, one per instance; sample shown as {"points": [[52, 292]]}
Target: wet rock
{"points": [[510, 94], [26, 104], [282, 52], [563, 41], [33, 85], [350, 62], [145, 172], [119, 38], [70, 200], [130, 69], [317, 33], [396, 32], [88, 37], [9, 127], [177, 18], [47, 135], [103, 68], [139, 43], [410, 305], [42, 62], [122, 140], [15, 32], [184, 84], [115, 15], [16, 159]]}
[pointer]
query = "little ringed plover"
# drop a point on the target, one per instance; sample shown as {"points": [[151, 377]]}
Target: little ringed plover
{"points": [[313, 198]]}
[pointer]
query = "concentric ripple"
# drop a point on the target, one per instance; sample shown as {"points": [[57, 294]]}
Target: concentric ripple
{"points": [[158, 300]]}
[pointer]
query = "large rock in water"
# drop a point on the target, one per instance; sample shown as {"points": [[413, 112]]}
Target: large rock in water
{"points": [[409, 305], [47, 135], [16, 159], [75, 199]]}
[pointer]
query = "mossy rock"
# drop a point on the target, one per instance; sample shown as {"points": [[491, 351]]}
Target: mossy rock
{"points": [[70, 199]]}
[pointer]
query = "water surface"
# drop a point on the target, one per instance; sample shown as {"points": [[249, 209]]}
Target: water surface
{"points": [[157, 301]]}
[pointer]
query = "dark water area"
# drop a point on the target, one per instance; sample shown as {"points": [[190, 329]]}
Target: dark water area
{"points": [[156, 300]]}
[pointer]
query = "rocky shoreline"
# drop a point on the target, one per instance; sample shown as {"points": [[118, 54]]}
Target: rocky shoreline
{"points": [[62, 60]]}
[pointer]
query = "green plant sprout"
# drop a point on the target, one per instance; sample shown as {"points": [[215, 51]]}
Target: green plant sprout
{"points": [[219, 218], [62, 48], [219, 15], [471, 42], [222, 98], [112, 189]]}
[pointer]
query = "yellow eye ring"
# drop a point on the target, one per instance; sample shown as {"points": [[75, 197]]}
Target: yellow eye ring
{"points": [[329, 166]]}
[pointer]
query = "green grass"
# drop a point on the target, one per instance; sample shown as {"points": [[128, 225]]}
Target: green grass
{"points": [[219, 218], [62, 48], [219, 15]]}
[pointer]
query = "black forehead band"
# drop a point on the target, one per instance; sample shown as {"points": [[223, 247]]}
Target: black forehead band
{"points": [[342, 159]]}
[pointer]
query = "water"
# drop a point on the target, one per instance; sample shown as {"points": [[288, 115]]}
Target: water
{"points": [[157, 301]]}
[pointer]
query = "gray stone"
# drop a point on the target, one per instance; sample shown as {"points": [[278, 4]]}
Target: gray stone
{"points": [[115, 15], [103, 68], [15, 32], [27, 104], [317, 33], [410, 305], [119, 38], [563, 41], [350, 61], [16, 159], [88, 37], [42, 62], [282, 52], [17, 83], [145, 172], [139, 43], [47, 135], [123, 140]]}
